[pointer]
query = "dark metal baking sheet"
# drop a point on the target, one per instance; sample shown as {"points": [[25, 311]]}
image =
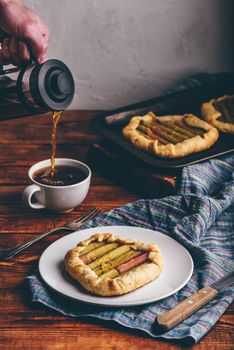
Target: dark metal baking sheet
{"points": [[110, 124]]}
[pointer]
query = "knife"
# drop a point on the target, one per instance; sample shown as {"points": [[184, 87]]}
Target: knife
{"points": [[180, 312]]}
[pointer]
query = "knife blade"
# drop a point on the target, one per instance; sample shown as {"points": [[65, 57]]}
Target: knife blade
{"points": [[181, 311], [224, 282]]}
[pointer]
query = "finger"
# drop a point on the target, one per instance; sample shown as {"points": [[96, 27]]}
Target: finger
{"points": [[24, 51], [14, 47], [3, 35], [14, 51], [6, 49], [3, 59]]}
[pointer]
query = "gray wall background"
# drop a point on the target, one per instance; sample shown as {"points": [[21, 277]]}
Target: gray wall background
{"points": [[124, 51]]}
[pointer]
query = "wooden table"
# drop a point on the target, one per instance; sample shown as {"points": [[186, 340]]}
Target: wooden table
{"points": [[23, 325]]}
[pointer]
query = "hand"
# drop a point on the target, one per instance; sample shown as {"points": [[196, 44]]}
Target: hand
{"points": [[26, 34]]}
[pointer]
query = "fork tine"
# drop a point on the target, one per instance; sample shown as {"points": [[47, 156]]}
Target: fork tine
{"points": [[91, 216], [82, 216], [75, 224], [86, 215]]}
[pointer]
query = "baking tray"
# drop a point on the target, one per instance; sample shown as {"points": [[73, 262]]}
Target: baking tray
{"points": [[110, 124]]}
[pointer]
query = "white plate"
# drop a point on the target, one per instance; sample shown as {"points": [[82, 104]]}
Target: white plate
{"points": [[177, 270]]}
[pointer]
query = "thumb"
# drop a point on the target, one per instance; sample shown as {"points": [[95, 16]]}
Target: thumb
{"points": [[38, 41], [38, 49]]}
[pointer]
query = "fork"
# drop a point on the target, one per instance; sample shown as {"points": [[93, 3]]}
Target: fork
{"points": [[69, 226]]}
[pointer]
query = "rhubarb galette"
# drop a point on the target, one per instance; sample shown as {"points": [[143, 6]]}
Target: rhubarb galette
{"points": [[220, 113], [110, 265], [170, 136]]}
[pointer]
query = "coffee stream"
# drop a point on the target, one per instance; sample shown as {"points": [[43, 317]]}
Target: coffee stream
{"points": [[63, 175], [56, 117]]}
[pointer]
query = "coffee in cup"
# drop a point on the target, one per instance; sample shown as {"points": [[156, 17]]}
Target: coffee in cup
{"points": [[64, 175], [63, 191]]}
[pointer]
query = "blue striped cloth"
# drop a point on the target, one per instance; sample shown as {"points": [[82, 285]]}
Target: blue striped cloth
{"points": [[200, 217]]}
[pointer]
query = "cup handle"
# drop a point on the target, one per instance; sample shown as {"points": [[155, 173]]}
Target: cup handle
{"points": [[27, 197]]}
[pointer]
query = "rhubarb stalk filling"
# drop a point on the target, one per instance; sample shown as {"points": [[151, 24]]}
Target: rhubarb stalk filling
{"points": [[112, 259], [168, 132]]}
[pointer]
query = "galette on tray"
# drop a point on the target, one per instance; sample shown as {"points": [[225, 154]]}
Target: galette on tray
{"points": [[220, 113], [170, 136], [109, 265]]}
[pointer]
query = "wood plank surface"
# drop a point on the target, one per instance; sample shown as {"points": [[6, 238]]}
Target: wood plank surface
{"points": [[23, 325]]}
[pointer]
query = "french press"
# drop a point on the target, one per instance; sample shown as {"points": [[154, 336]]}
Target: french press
{"points": [[35, 89]]}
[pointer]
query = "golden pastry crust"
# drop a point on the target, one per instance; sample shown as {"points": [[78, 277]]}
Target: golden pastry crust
{"points": [[196, 143], [212, 114], [123, 283]]}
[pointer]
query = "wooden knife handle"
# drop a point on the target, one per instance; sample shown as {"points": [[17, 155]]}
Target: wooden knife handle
{"points": [[180, 312]]}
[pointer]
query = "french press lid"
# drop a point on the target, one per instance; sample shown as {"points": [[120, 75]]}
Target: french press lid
{"points": [[51, 85]]}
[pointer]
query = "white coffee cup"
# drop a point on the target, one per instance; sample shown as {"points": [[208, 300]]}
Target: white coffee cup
{"points": [[56, 198]]}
